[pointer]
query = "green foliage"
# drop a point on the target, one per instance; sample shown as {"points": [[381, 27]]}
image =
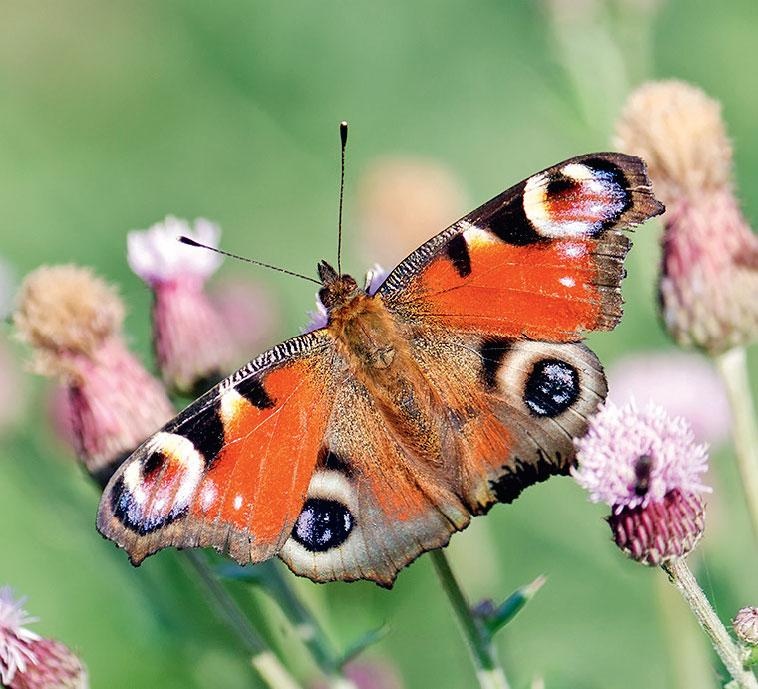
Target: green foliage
{"points": [[117, 113]]}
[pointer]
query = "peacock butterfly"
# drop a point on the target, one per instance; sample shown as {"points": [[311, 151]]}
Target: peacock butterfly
{"points": [[350, 450]]}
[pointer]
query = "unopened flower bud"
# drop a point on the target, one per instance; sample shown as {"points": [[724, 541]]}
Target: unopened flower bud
{"points": [[72, 320], [745, 625], [709, 275]]}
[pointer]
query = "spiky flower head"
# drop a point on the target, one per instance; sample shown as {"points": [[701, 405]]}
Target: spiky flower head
{"points": [[709, 274], [28, 661], [72, 320], [648, 468], [190, 339], [15, 639], [745, 625]]}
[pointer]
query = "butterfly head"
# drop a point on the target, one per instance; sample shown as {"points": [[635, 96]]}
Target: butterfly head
{"points": [[337, 289]]}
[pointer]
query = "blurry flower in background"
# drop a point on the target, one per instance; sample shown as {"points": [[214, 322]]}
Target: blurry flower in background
{"points": [[403, 202], [647, 467], [249, 314], [684, 384], [745, 625], [369, 674], [191, 342], [72, 320], [709, 276], [12, 384], [28, 661]]}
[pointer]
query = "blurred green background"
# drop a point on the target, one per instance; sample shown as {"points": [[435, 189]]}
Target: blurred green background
{"points": [[116, 113]]}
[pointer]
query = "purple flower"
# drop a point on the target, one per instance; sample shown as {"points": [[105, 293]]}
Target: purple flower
{"points": [[648, 468], [190, 337], [28, 661]]}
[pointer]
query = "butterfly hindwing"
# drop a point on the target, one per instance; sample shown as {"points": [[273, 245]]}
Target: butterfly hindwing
{"points": [[231, 471]]}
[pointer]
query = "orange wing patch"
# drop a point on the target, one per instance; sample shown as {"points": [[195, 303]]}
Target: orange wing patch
{"points": [[551, 291]]}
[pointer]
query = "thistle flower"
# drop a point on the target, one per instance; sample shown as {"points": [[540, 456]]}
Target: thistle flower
{"points": [[402, 202], [745, 625], [647, 467], [72, 319], [27, 661], [679, 382], [710, 256], [191, 342]]}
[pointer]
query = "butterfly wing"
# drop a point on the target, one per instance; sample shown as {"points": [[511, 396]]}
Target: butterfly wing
{"points": [[231, 471], [542, 260]]}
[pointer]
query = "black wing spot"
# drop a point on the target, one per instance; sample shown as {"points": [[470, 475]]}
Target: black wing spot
{"points": [[492, 351], [510, 223], [323, 525], [551, 388], [205, 431], [457, 252], [253, 391]]}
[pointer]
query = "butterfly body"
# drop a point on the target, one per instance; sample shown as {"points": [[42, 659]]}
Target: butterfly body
{"points": [[350, 450]]}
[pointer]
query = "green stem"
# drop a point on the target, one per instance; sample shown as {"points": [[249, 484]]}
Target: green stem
{"points": [[489, 672], [263, 659], [733, 368], [307, 627], [730, 653]]}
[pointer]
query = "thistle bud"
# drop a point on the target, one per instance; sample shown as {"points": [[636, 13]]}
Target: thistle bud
{"points": [[72, 320], [745, 625], [709, 275]]}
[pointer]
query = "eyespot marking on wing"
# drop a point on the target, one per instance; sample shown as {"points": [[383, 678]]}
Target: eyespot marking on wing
{"points": [[156, 490], [322, 525], [579, 200], [205, 433], [551, 388]]}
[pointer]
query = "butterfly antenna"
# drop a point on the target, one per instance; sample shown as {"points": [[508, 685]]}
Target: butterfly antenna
{"points": [[192, 242], [343, 139]]}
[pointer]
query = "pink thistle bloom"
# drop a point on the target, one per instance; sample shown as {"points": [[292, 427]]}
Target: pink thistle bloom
{"points": [[679, 382], [72, 319], [15, 640], [190, 338], [647, 467], [27, 661]]}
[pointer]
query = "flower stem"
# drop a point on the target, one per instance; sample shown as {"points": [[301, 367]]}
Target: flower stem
{"points": [[263, 659], [489, 672], [732, 365], [307, 627], [730, 653]]}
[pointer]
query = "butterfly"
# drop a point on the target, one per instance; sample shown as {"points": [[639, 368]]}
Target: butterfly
{"points": [[350, 450]]}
